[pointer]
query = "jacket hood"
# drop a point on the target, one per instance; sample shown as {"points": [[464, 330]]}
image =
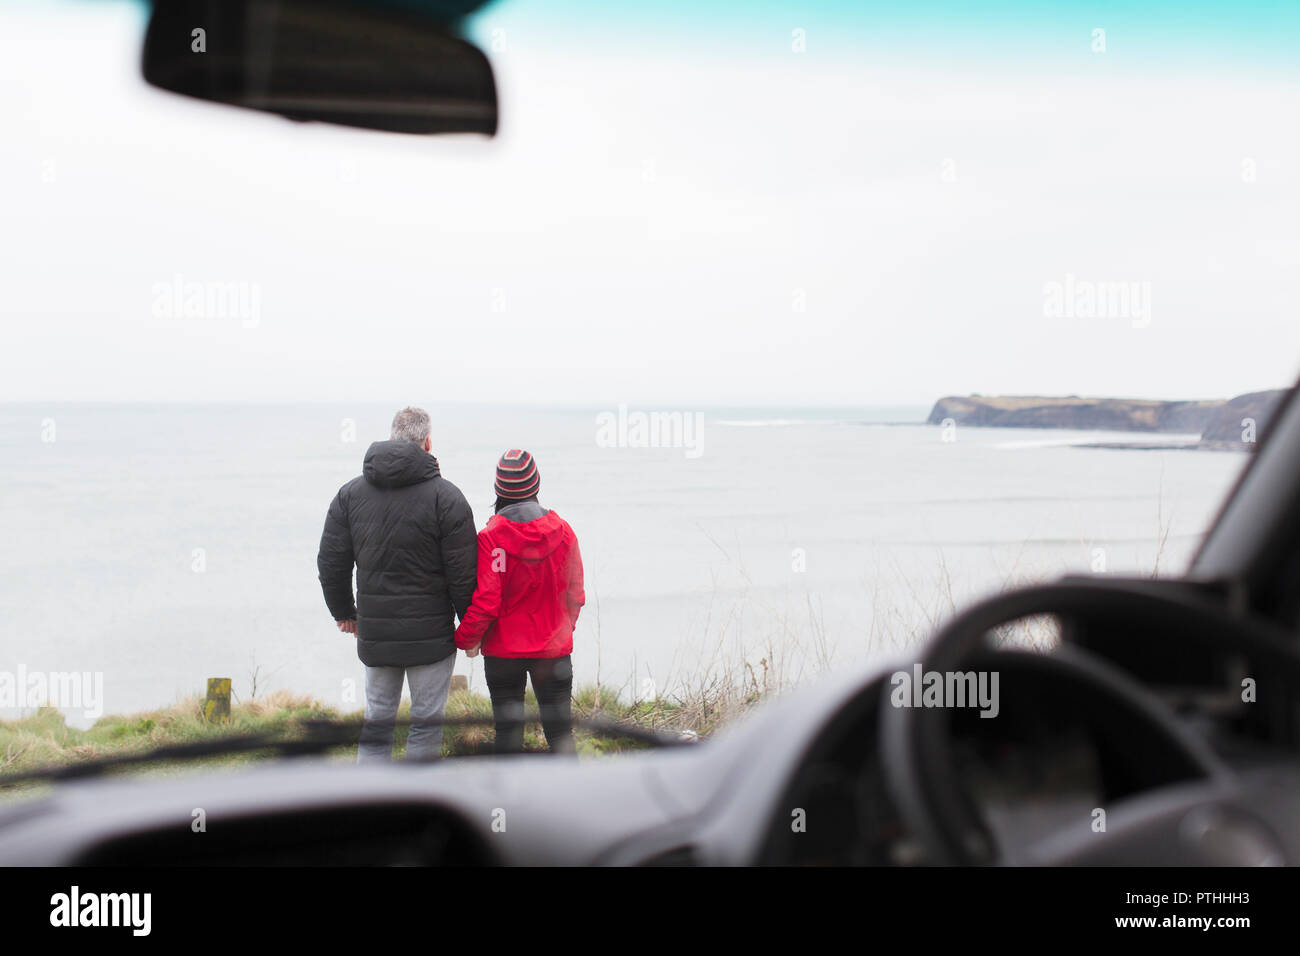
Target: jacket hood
{"points": [[396, 464], [532, 540]]}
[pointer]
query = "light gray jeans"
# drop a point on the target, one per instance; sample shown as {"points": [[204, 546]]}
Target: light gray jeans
{"points": [[429, 685]]}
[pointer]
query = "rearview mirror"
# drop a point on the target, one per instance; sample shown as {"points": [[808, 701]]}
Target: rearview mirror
{"points": [[336, 62]]}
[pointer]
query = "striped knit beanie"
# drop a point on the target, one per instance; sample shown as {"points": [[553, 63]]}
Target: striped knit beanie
{"points": [[517, 476]]}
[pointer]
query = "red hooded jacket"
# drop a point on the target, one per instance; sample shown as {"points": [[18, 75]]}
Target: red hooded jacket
{"points": [[529, 589]]}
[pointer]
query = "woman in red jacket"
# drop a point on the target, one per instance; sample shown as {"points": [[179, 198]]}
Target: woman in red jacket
{"points": [[525, 606]]}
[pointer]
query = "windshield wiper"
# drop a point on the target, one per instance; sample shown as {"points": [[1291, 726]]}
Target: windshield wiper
{"points": [[320, 735]]}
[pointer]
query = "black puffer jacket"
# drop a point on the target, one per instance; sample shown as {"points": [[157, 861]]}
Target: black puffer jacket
{"points": [[410, 533]]}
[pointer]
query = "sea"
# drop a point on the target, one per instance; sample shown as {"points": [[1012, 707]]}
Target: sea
{"points": [[157, 546]]}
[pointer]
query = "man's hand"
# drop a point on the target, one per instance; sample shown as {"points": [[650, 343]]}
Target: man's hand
{"points": [[473, 651], [348, 626]]}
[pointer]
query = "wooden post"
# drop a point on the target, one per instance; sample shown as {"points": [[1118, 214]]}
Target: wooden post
{"points": [[216, 706]]}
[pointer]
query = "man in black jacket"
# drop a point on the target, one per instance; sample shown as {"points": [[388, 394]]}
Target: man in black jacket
{"points": [[410, 533]]}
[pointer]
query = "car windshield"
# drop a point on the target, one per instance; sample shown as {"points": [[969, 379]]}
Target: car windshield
{"points": [[813, 325]]}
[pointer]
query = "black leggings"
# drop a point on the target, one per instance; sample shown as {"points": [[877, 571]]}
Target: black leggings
{"points": [[553, 686]]}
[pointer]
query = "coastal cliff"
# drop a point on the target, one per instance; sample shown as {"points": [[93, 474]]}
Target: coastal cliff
{"points": [[1225, 424], [1218, 422]]}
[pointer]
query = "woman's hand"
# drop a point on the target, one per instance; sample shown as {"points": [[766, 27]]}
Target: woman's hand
{"points": [[473, 651]]}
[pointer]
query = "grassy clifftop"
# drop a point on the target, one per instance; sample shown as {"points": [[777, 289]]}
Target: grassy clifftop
{"points": [[44, 739], [1215, 420]]}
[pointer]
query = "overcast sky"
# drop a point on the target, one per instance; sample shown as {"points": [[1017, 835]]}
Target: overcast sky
{"points": [[676, 211]]}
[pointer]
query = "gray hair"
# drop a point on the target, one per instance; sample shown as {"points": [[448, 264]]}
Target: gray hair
{"points": [[411, 424]]}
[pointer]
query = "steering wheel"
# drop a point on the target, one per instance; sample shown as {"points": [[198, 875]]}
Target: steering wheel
{"points": [[921, 770]]}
